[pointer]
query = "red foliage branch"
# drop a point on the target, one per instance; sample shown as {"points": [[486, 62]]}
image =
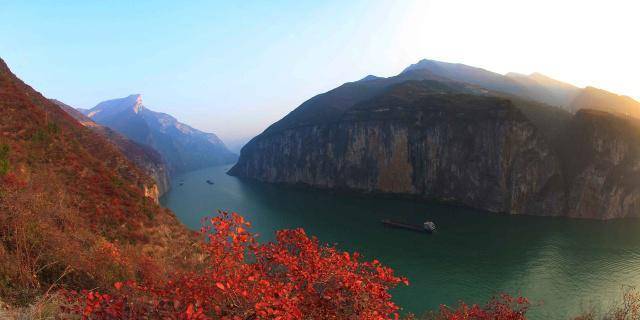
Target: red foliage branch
{"points": [[294, 276]]}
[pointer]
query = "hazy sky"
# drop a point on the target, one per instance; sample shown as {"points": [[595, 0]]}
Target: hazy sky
{"points": [[235, 67]]}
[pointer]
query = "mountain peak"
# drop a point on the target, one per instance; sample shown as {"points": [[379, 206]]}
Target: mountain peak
{"points": [[181, 146], [134, 101], [109, 108], [138, 102], [422, 64], [369, 78], [517, 75], [135, 96], [546, 80]]}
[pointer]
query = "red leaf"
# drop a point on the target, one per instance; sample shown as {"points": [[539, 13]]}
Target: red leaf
{"points": [[189, 311]]}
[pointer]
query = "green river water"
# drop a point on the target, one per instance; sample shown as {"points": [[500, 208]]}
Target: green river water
{"points": [[563, 265]]}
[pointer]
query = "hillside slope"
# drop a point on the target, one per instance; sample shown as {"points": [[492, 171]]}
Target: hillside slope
{"points": [[74, 211], [142, 156]]}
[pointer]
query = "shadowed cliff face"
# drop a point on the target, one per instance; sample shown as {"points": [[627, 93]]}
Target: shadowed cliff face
{"points": [[449, 145], [601, 155], [477, 151]]}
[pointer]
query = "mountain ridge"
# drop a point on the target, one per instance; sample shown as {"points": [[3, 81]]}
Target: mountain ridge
{"points": [[183, 147]]}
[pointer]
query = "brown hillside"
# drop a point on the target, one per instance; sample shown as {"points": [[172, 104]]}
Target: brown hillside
{"points": [[74, 212]]}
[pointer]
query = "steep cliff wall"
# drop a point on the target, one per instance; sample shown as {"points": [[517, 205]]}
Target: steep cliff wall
{"points": [[478, 151], [601, 157]]}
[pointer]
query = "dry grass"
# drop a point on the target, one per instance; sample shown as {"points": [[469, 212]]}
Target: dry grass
{"points": [[43, 308], [47, 244]]}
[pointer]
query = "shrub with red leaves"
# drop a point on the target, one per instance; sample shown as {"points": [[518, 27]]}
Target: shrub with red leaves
{"points": [[292, 278]]}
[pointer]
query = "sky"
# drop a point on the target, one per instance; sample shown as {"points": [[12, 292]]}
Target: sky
{"points": [[235, 67]]}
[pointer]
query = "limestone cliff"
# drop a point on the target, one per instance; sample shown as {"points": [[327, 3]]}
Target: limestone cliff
{"points": [[474, 150], [452, 145], [601, 156]]}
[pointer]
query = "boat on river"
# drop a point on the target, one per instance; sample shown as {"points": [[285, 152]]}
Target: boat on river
{"points": [[210, 182], [427, 226]]}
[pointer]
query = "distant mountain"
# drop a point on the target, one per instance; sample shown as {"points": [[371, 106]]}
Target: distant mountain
{"points": [[536, 87], [143, 156], [598, 99], [455, 133], [236, 144], [546, 89], [472, 75], [369, 78], [183, 147], [329, 106]]}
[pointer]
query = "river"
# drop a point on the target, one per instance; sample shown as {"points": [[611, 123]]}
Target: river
{"points": [[562, 265]]}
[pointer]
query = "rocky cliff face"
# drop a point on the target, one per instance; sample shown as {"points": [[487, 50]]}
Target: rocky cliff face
{"points": [[160, 174], [452, 146], [152, 192], [601, 155], [477, 151]]}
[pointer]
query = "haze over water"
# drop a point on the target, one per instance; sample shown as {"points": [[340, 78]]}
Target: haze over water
{"points": [[570, 264]]}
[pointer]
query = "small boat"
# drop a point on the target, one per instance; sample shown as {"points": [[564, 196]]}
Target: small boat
{"points": [[210, 182], [427, 226], [181, 183]]}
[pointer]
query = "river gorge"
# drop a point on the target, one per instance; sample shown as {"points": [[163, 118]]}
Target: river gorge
{"points": [[563, 265]]}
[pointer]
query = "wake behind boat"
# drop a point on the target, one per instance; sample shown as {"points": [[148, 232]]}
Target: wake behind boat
{"points": [[427, 226]]}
